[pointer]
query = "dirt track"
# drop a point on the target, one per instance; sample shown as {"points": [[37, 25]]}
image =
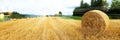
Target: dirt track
{"points": [[46, 28]]}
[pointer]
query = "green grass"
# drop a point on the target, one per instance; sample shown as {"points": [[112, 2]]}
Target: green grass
{"points": [[72, 17]]}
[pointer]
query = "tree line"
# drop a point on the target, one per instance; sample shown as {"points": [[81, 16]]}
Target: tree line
{"points": [[109, 9]]}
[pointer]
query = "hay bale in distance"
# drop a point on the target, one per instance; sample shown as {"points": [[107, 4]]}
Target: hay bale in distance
{"points": [[94, 22]]}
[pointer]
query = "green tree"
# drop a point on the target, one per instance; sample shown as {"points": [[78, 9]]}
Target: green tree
{"points": [[16, 15], [114, 10], [95, 5], [81, 4], [60, 13], [104, 2], [85, 5], [99, 5], [115, 4]]}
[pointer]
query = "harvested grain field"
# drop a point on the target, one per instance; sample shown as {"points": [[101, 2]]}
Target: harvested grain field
{"points": [[52, 28]]}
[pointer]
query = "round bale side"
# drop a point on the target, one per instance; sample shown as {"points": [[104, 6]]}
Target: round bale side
{"points": [[94, 22]]}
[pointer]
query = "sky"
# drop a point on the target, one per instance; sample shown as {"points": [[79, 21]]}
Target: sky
{"points": [[40, 7]]}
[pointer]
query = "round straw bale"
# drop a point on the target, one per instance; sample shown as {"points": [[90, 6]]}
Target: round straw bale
{"points": [[94, 22]]}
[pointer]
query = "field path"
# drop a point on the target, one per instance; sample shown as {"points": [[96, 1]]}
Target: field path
{"points": [[46, 28]]}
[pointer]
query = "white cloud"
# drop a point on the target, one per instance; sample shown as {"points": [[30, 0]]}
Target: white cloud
{"points": [[40, 7]]}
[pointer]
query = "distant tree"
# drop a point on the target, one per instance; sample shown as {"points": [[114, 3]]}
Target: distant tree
{"points": [[114, 10], [16, 15], [115, 7], [81, 4], [99, 5], [105, 5], [104, 2], [82, 9], [76, 11], [95, 5], [60, 13], [85, 5], [115, 4]]}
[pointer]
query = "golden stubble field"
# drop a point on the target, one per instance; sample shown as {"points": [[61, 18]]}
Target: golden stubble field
{"points": [[53, 28]]}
